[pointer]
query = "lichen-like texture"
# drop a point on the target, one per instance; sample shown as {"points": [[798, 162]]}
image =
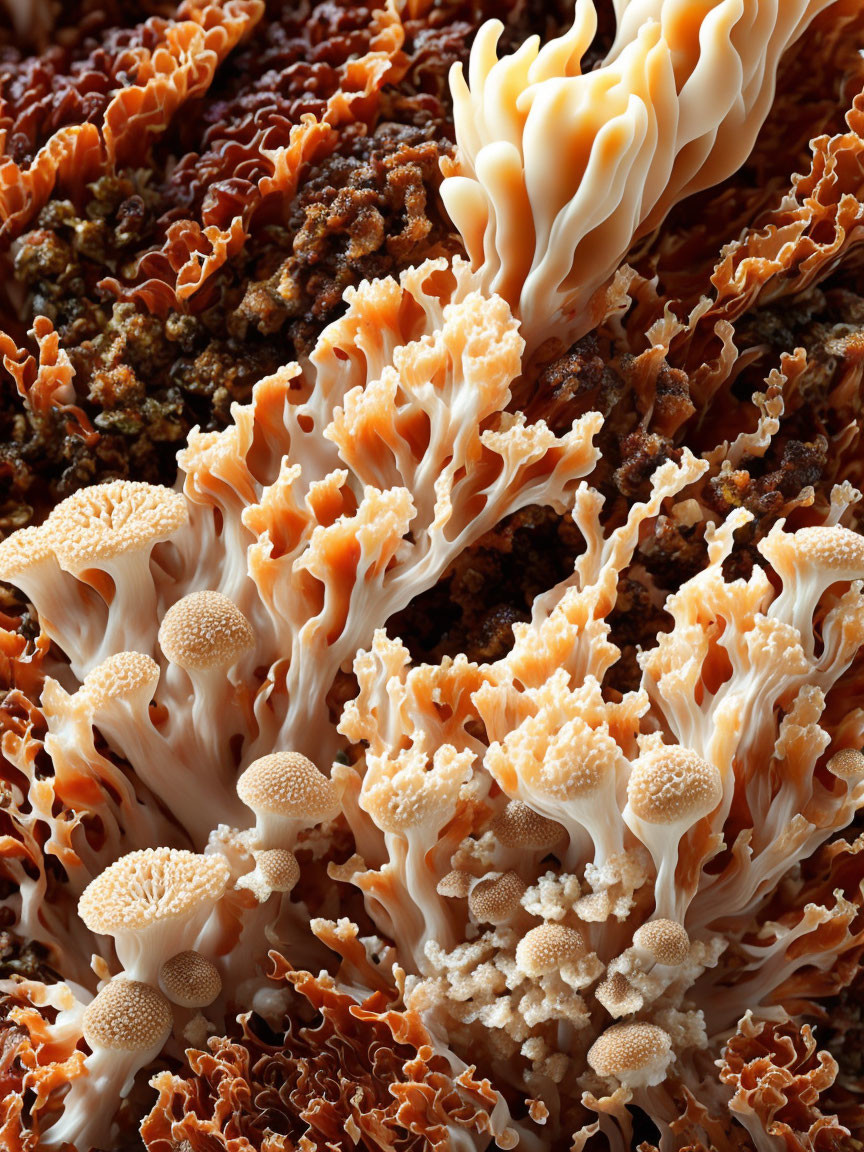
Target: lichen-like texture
{"points": [[432, 626]]}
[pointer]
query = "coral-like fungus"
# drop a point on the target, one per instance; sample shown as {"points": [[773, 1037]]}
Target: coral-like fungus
{"points": [[465, 749]]}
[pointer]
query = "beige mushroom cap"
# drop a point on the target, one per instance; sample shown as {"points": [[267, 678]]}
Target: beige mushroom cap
{"points": [[545, 948], [618, 996], [22, 550], [127, 1016], [519, 826], [494, 901], [673, 785], [666, 940], [108, 520], [153, 884], [278, 868], [190, 980], [205, 630], [627, 1049], [835, 548], [120, 676], [848, 764], [456, 884], [288, 784]]}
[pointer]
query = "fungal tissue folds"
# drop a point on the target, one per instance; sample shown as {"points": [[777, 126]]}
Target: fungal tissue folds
{"points": [[432, 619]]}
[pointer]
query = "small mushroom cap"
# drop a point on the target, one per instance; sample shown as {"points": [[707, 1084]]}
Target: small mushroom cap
{"points": [[456, 883], [519, 826], [107, 520], [22, 550], [836, 549], [205, 630], [627, 1048], [127, 1016], [618, 996], [287, 784], [121, 676], [545, 948], [278, 868], [673, 785], [494, 901], [666, 940], [848, 764], [190, 980], [154, 884]]}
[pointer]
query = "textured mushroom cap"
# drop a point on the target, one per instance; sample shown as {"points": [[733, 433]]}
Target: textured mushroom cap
{"points": [[109, 519], [545, 948], [120, 676], [127, 1016], [838, 549], [153, 884], [287, 784], [204, 630], [278, 868], [494, 901], [848, 764], [627, 1048], [456, 883], [22, 550], [666, 940], [618, 996], [190, 980], [672, 785], [519, 826]]}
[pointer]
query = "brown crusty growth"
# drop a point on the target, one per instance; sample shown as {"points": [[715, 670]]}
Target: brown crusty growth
{"points": [[112, 519], [190, 980], [150, 885], [288, 784], [127, 1016], [120, 676], [545, 948], [627, 1049], [665, 940], [673, 785], [519, 826], [494, 901], [205, 630]]}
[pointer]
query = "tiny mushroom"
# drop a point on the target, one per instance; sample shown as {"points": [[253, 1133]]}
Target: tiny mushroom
{"points": [[204, 632], [665, 941], [190, 980], [547, 947], [125, 1025], [496, 899], [105, 535], [518, 826], [154, 903], [287, 793], [618, 996], [636, 1054], [276, 870], [669, 790]]}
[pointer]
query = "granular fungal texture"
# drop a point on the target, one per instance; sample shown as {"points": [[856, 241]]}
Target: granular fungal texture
{"points": [[432, 629]]}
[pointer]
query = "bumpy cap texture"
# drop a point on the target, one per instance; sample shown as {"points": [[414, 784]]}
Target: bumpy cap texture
{"points": [[127, 1016], [287, 784], [205, 630], [151, 885]]}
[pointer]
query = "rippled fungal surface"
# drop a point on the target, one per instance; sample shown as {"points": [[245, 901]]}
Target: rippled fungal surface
{"points": [[432, 626]]}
